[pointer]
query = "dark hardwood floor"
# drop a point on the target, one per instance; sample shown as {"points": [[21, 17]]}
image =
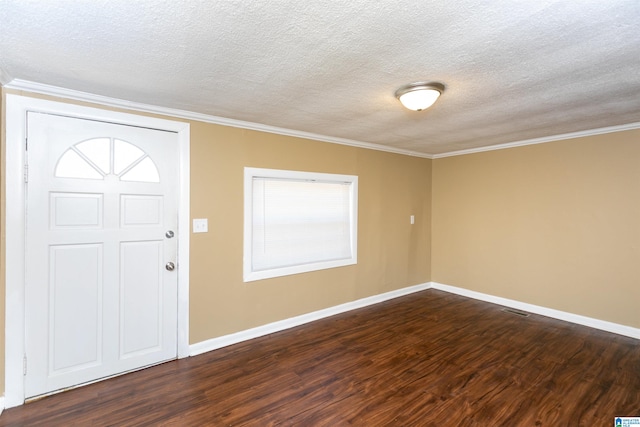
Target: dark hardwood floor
{"points": [[427, 359]]}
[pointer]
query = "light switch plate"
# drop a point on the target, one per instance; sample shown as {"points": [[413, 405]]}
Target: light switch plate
{"points": [[200, 225]]}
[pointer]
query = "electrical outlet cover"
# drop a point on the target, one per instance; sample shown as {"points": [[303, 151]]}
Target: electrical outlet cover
{"points": [[200, 225]]}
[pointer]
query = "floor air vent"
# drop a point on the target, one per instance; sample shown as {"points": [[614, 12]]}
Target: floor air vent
{"points": [[516, 312]]}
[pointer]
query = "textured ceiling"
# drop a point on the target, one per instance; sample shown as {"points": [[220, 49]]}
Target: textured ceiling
{"points": [[513, 70]]}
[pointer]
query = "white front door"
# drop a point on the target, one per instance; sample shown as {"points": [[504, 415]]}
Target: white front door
{"points": [[101, 246]]}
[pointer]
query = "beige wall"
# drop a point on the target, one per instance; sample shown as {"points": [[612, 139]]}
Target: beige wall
{"points": [[391, 253], [556, 225]]}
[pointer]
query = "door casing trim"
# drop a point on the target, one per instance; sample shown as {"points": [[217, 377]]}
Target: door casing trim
{"points": [[14, 222]]}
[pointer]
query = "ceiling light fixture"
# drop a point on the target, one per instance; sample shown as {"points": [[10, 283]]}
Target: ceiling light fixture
{"points": [[419, 96]]}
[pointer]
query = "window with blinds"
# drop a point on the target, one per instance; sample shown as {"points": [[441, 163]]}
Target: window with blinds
{"points": [[297, 222]]}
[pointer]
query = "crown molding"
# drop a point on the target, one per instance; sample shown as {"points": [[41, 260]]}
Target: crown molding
{"points": [[571, 135], [43, 89]]}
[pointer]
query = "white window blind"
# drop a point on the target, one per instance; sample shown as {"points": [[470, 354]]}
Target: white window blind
{"points": [[298, 221]]}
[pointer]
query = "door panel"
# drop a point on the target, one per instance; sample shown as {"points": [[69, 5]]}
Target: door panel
{"points": [[73, 210], [98, 299], [138, 210], [141, 264], [75, 307]]}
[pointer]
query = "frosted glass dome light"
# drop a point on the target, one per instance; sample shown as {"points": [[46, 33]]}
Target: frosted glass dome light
{"points": [[419, 96]]}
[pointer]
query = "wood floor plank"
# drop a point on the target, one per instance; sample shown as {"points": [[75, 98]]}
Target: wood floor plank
{"points": [[427, 359]]}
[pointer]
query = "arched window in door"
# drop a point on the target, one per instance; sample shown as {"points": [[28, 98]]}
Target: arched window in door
{"points": [[98, 157]]}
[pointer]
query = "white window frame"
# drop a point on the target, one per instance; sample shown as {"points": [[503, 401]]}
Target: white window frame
{"points": [[311, 177]]}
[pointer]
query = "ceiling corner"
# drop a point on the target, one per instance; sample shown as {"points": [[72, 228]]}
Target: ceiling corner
{"points": [[5, 78]]}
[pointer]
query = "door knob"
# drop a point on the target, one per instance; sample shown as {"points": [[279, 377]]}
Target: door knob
{"points": [[170, 266], [169, 234]]}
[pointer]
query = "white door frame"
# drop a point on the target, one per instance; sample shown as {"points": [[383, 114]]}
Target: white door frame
{"points": [[16, 127]]}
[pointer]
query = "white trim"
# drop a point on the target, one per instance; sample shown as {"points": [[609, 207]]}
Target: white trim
{"points": [[1, 404], [248, 334], [14, 255], [184, 232], [16, 108], [544, 311], [24, 85], [226, 340], [581, 134], [44, 89]]}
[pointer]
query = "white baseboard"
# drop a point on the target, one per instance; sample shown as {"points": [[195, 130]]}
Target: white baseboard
{"points": [[226, 340], [549, 312]]}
